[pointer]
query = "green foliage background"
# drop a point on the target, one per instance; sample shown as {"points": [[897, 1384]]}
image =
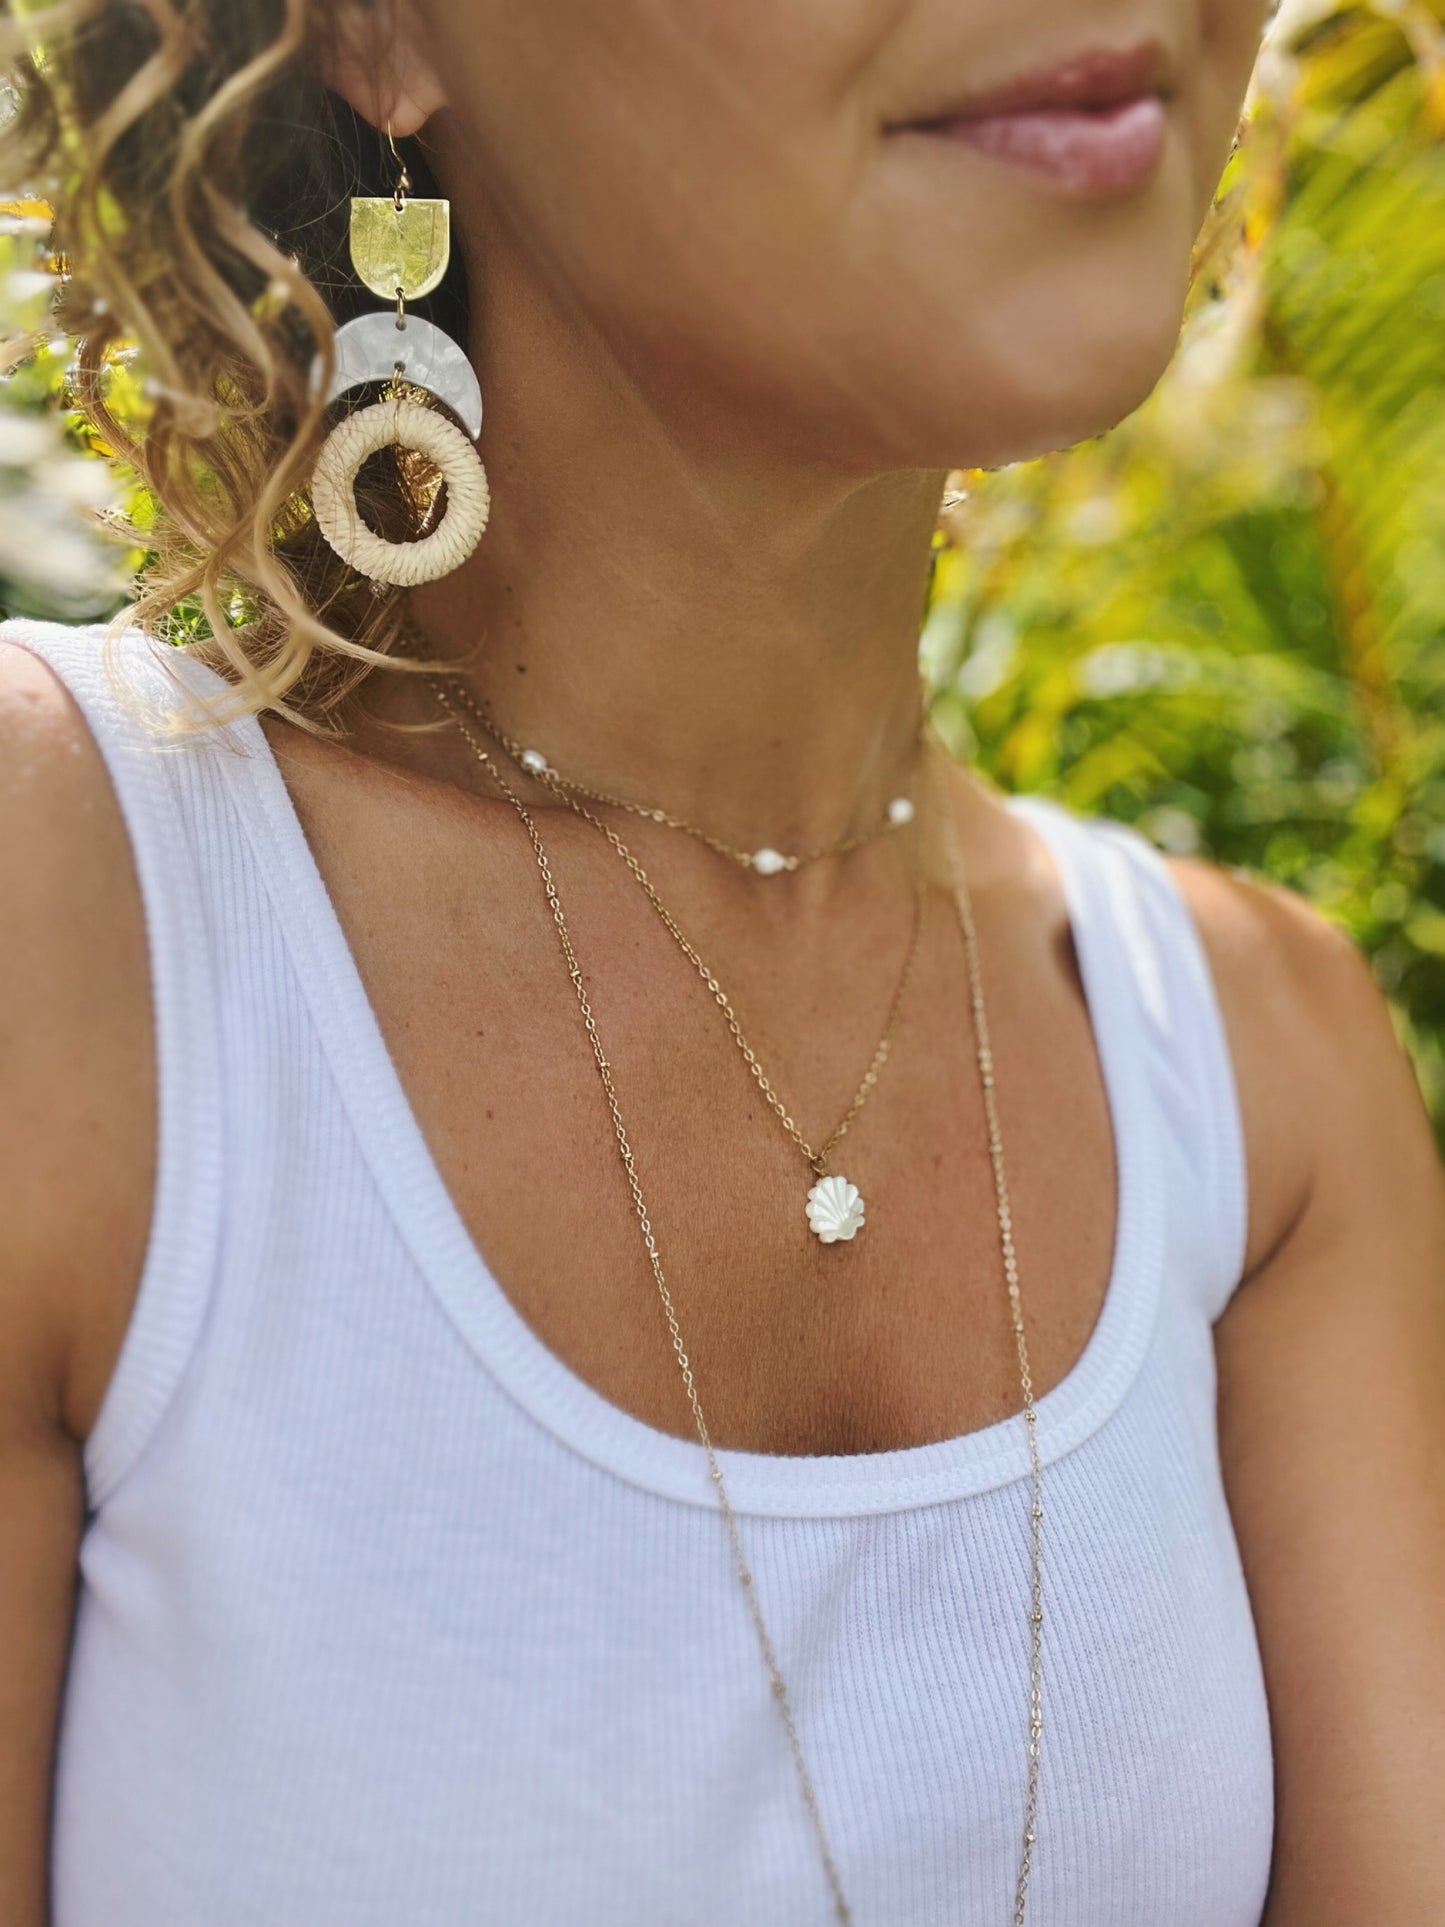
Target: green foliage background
{"points": [[1224, 620]]}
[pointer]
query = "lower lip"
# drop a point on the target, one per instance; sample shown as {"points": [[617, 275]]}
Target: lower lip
{"points": [[1104, 150]]}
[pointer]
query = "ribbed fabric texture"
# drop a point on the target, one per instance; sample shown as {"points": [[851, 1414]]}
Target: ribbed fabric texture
{"points": [[387, 1618]]}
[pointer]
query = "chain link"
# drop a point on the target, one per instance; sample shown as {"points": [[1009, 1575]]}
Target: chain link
{"points": [[987, 1079]]}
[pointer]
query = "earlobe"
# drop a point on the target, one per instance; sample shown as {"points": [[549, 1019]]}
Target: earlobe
{"points": [[411, 107], [383, 73]]}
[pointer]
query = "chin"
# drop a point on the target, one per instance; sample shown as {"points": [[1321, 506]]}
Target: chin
{"points": [[984, 341], [1073, 405], [1021, 385]]}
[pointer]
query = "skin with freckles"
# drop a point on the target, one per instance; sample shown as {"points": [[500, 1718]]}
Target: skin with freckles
{"points": [[737, 307]]}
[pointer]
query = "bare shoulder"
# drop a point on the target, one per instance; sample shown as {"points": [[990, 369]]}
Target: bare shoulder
{"points": [[77, 1097], [1320, 1072], [1332, 1410], [76, 1147]]}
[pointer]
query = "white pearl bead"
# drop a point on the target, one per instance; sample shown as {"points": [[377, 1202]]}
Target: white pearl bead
{"points": [[767, 863], [900, 810], [534, 760]]}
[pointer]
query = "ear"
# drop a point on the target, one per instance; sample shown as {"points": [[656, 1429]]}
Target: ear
{"points": [[376, 58]]}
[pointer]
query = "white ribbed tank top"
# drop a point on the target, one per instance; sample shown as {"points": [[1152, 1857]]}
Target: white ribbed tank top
{"points": [[387, 1619]]}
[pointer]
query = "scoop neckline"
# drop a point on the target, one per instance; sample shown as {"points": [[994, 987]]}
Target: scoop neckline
{"points": [[560, 1400]]}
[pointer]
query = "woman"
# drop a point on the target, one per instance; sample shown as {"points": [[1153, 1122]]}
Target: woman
{"points": [[484, 1494]]}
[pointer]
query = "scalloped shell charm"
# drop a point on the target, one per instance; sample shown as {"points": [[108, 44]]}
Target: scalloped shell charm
{"points": [[835, 1209]]}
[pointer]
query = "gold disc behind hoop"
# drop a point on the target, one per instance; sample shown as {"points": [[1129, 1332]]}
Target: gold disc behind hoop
{"points": [[404, 248]]}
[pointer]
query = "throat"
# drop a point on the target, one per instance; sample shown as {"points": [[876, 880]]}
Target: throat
{"points": [[765, 689]]}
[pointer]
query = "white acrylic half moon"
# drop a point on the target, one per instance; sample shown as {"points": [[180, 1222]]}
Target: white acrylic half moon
{"points": [[372, 347]]}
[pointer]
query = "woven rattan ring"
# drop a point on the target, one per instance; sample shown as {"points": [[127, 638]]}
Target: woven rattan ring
{"points": [[404, 424]]}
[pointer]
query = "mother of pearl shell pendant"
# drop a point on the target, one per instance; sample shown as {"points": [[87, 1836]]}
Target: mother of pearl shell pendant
{"points": [[835, 1210], [373, 348]]}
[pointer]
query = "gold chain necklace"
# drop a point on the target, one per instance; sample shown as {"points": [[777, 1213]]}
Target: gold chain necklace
{"points": [[766, 862], [843, 1913], [834, 1205]]}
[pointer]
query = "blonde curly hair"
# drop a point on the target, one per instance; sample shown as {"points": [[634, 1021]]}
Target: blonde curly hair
{"points": [[200, 176]]}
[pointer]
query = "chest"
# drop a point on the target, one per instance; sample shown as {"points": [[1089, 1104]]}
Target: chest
{"points": [[900, 1336]]}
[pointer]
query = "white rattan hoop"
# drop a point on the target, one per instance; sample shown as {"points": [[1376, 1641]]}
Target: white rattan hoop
{"points": [[404, 424]]}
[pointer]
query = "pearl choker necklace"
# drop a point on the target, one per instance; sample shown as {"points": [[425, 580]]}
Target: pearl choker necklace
{"points": [[764, 862]]}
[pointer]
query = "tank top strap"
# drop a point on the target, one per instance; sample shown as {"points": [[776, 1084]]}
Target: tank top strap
{"points": [[121, 686], [1124, 881]]}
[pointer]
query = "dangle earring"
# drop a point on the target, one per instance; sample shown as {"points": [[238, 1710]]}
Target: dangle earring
{"points": [[400, 248]]}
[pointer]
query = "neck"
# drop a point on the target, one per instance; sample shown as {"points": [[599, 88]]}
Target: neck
{"points": [[765, 689], [669, 607]]}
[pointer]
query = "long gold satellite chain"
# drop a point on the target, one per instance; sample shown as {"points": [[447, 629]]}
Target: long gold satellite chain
{"points": [[987, 1080], [988, 1084]]}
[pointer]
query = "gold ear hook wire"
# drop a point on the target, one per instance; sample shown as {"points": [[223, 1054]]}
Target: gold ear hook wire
{"points": [[403, 182], [398, 201]]}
